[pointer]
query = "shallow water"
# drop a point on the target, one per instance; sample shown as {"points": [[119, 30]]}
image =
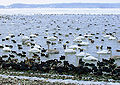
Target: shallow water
{"points": [[40, 22]]}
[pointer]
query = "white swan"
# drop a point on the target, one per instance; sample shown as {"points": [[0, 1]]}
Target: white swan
{"points": [[70, 51], [11, 35], [74, 47], [25, 38], [103, 52], [82, 54], [112, 38], [109, 37], [6, 49], [51, 38], [33, 35], [88, 35], [106, 36], [7, 37], [80, 38], [1, 45], [84, 43], [77, 40], [34, 50], [90, 58], [37, 46], [52, 51]]}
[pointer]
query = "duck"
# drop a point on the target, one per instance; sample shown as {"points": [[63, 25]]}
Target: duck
{"points": [[118, 41], [4, 56], [66, 35], [20, 47], [97, 47], [118, 50], [115, 57], [3, 39], [19, 54], [14, 41], [43, 50], [14, 52], [23, 55], [42, 54], [62, 57], [11, 55]]}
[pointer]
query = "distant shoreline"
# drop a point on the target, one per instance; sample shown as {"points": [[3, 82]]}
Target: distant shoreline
{"points": [[64, 5]]}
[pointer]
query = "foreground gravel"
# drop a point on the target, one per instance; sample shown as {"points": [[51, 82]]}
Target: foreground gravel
{"points": [[15, 81]]}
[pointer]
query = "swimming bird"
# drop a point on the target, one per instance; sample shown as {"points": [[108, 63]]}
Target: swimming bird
{"points": [[118, 50], [112, 38], [106, 36], [34, 50], [11, 35], [77, 40], [33, 36], [25, 38], [1, 46], [80, 38], [103, 52], [52, 51], [90, 58], [37, 46], [115, 57], [88, 35], [52, 38], [74, 47], [118, 41], [83, 44], [7, 37], [70, 51], [82, 54], [6, 49]]}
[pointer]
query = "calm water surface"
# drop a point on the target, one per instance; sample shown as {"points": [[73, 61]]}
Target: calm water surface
{"points": [[68, 21]]}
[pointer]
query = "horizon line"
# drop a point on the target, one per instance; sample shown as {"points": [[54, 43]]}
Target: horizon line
{"points": [[58, 3]]}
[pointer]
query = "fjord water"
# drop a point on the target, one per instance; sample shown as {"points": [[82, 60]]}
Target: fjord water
{"points": [[38, 20], [30, 11]]}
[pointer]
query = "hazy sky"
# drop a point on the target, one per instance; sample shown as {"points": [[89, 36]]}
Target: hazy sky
{"points": [[7, 2]]}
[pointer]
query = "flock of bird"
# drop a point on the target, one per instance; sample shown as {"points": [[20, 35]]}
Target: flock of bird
{"points": [[26, 38]]}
